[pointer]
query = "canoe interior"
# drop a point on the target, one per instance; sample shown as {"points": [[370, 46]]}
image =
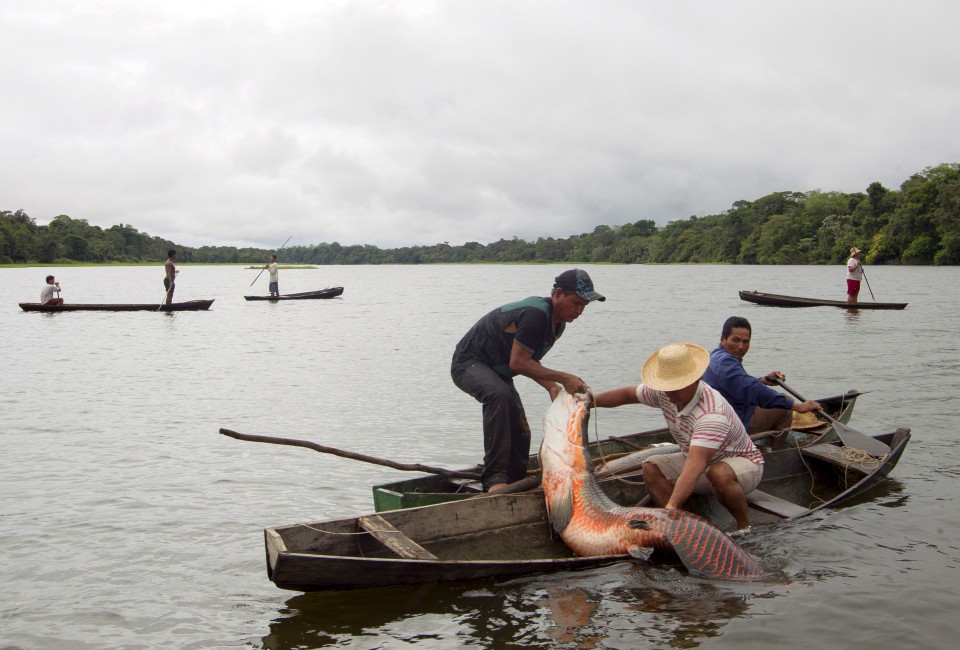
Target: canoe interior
{"points": [[426, 490], [509, 535], [776, 300], [190, 305]]}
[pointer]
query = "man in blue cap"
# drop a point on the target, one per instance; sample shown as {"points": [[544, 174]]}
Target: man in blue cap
{"points": [[509, 341]]}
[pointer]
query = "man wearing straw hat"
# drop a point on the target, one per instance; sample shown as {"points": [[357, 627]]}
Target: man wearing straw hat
{"points": [[854, 275], [716, 454]]}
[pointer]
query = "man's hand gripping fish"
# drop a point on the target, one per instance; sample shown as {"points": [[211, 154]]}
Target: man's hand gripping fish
{"points": [[591, 524]]}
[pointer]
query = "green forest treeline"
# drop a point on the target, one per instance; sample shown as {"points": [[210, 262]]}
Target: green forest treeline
{"points": [[916, 224]]}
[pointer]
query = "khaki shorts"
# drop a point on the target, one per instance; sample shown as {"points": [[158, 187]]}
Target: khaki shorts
{"points": [[748, 473]]}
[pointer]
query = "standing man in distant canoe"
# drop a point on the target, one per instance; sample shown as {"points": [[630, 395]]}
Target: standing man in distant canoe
{"points": [[509, 341], [171, 274], [854, 275], [274, 287], [46, 294]]}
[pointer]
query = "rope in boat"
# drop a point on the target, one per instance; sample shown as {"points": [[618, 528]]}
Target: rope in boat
{"points": [[846, 456]]}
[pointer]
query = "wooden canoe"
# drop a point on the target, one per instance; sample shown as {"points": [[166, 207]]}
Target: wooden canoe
{"points": [[508, 535], [190, 305], [427, 490], [774, 300], [320, 294]]}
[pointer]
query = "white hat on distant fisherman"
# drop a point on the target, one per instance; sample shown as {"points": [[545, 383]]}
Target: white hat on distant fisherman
{"points": [[675, 366]]}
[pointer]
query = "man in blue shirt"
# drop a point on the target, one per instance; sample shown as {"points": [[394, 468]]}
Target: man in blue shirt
{"points": [[759, 407], [509, 341]]}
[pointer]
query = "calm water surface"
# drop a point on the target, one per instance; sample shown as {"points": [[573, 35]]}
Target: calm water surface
{"points": [[128, 522]]}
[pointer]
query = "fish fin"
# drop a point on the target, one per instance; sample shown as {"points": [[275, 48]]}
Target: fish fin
{"points": [[638, 524], [560, 511], [706, 551], [639, 552]]}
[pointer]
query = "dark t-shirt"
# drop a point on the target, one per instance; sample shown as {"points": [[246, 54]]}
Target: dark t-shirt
{"points": [[490, 340]]}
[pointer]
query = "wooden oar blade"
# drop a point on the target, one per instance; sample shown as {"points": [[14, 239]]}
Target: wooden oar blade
{"points": [[853, 438]]}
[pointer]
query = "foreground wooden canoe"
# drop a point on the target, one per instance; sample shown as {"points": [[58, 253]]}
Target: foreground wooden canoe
{"points": [[775, 300], [507, 535], [427, 490], [190, 305], [320, 294]]}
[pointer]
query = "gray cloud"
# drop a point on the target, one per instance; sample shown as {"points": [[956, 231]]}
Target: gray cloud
{"points": [[409, 122]]}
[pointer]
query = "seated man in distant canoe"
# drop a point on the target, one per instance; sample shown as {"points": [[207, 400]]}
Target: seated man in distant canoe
{"points": [[46, 294], [510, 341], [758, 406], [716, 454]]}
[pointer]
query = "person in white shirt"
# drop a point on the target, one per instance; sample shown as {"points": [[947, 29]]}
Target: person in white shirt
{"points": [[854, 275], [46, 294], [274, 287]]}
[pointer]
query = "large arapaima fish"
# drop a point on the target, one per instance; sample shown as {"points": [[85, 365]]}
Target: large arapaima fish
{"points": [[591, 524]]}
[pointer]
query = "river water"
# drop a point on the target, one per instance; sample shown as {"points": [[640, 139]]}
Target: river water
{"points": [[128, 522]]}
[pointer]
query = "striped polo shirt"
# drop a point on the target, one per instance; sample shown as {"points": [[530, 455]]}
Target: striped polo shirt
{"points": [[707, 421]]}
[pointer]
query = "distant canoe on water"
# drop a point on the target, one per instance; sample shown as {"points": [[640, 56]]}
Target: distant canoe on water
{"points": [[330, 292], [774, 300], [190, 305]]}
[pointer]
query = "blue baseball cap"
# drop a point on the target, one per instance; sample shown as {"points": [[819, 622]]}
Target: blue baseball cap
{"points": [[578, 281]]}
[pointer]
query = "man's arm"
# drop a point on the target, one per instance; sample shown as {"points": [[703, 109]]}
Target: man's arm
{"points": [[693, 467], [616, 397], [523, 363]]}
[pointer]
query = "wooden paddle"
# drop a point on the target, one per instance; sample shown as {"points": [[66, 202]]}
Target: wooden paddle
{"points": [[864, 272], [407, 467], [849, 437]]}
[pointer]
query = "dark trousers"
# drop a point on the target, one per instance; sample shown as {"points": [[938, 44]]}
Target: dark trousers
{"points": [[506, 434]]}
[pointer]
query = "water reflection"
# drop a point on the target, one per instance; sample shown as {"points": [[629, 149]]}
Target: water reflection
{"points": [[852, 316], [625, 605]]}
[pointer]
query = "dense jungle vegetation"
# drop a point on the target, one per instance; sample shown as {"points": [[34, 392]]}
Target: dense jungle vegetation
{"points": [[919, 223]]}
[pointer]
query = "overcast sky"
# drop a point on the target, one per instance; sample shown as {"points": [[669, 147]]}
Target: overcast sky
{"points": [[411, 122]]}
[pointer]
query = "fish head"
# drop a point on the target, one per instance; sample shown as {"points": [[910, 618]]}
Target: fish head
{"points": [[565, 432]]}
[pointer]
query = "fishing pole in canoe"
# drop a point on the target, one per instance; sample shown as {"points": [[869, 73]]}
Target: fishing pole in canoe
{"points": [[408, 467], [848, 436], [265, 268], [864, 272]]}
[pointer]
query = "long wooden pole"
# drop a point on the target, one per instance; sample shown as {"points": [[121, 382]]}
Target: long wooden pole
{"points": [[264, 268], [864, 271], [323, 449]]}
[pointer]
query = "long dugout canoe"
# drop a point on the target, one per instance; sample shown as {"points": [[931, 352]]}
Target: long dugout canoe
{"points": [[320, 294], [776, 300], [190, 305]]}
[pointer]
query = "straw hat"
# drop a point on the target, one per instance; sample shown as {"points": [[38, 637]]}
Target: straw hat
{"points": [[854, 250], [804, 421], [675, 366]]}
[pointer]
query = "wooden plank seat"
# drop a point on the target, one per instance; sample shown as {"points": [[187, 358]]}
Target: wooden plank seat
{"points": [[835, 455], [774, 505], [393, 539]]}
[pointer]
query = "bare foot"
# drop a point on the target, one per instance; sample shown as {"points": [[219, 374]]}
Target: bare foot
{"points": [[496, 487]]}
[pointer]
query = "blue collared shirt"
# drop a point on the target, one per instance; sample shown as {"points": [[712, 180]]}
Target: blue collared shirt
{"points": [[744, 392]]}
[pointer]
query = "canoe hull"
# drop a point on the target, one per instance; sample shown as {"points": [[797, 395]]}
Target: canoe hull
{"points": [[321, 294], [509, 535], [775, 300], [190, 305]]}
